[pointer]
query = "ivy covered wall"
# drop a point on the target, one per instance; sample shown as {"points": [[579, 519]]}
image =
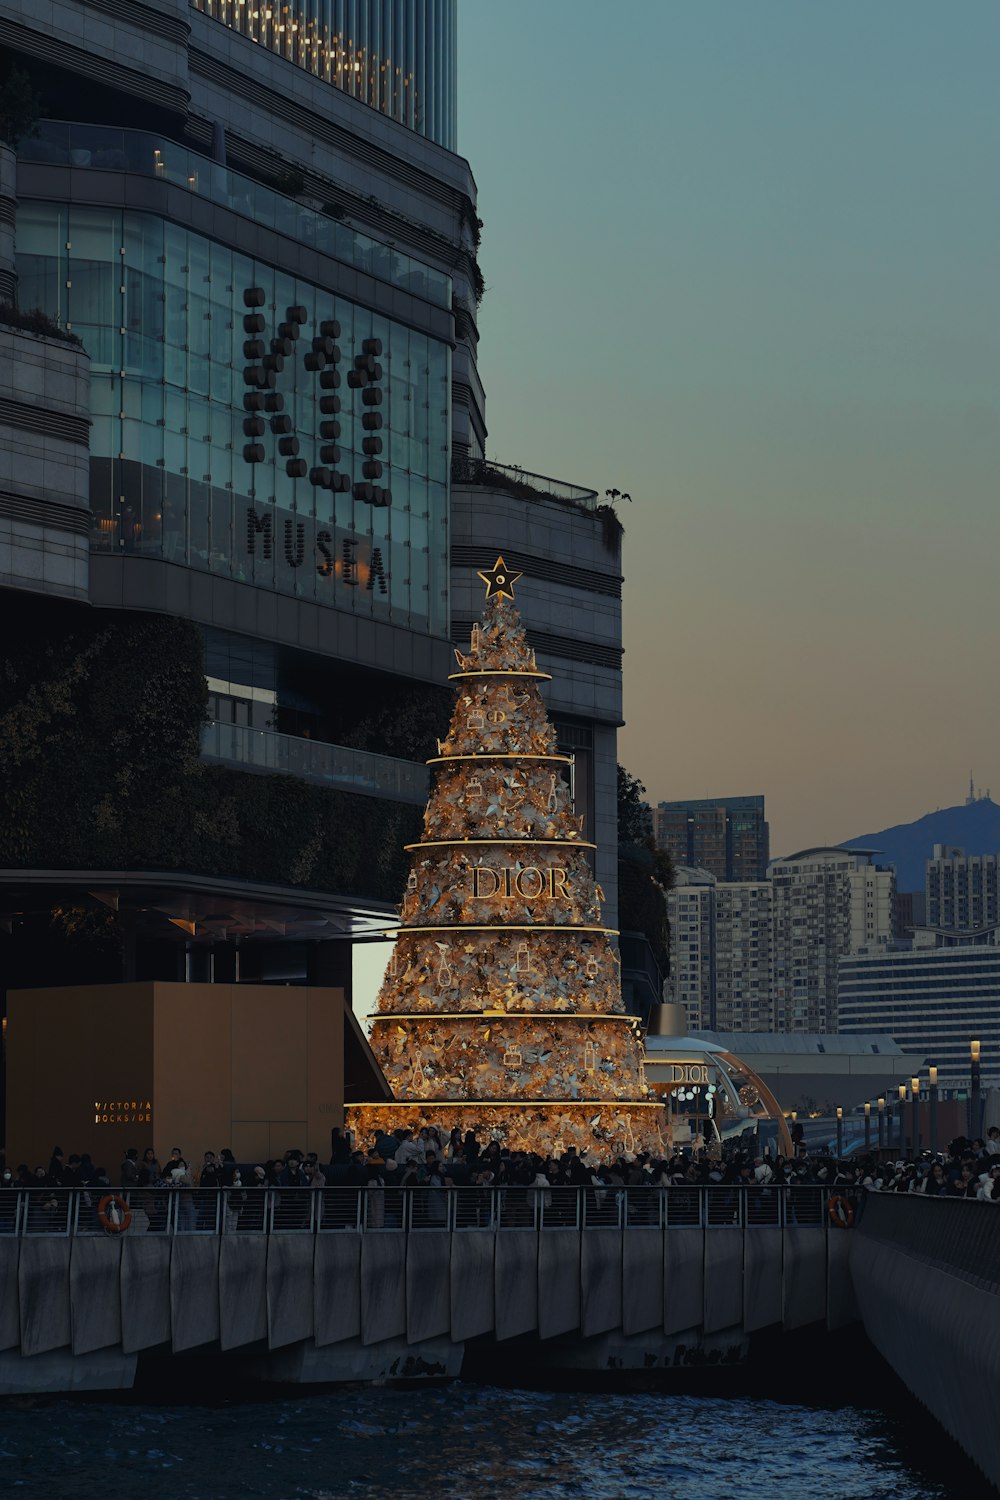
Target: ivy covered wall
{"points": [[100, 720]]}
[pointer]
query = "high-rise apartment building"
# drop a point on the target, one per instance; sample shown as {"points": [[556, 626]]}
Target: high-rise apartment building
{"points": [[961, 890], [826, 902], [744, 972], [691, 913], [726, 835], [762, 955], [721, 951]]}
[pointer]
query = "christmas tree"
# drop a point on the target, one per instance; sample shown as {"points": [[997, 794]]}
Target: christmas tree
{"points": [[501, 1007]]}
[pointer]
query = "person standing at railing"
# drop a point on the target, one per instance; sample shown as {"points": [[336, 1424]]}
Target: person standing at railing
{"points": [[340, 1148], [293, 1207], [313, 1177], [386, 1145], [436, 1198], [128, 1174], [210, 1177], [175, 1159], [989, 1185], [410, 1149], [179, 1179], [966, 1185]]}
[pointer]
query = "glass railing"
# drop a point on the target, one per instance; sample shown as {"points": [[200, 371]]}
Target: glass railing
{"points": [[105, 148], [326, 765], [517, 481]]}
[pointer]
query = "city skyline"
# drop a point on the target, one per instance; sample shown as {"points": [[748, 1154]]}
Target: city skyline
{"points": [[776, 222]]}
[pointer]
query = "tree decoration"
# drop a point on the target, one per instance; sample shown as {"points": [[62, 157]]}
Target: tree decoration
{"points": [[502, 919]]}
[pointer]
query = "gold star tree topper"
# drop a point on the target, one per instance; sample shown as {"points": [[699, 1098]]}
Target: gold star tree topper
{"points": [[500, 581]]}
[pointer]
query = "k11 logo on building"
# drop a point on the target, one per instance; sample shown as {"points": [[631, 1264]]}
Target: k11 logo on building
{"points": [[265, 410]]}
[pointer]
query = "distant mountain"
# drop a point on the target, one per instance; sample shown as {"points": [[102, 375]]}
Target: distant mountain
{"points": [[974, 827]]}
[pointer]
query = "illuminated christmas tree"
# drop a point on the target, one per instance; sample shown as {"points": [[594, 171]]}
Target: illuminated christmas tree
{"points": [[501, 1007]]}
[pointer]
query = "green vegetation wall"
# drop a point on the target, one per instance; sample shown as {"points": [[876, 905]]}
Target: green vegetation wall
{"points": [[100, 722], [645, 873]]}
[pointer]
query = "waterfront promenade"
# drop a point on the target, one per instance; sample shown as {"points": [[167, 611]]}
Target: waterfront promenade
{"points": [[343, 1284], [349, 1284]]}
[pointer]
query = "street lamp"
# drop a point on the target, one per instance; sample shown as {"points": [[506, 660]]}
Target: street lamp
{"points": [[840, 1133], [915, 1087], [932, 1074], [902, 1121], [975, 1102], [881, 1121], [868, 1125]]}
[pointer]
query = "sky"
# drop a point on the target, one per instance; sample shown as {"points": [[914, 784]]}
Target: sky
{"points": [[743, 261]]}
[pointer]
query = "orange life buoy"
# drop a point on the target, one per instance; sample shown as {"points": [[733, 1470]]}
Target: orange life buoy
{"points": [[841, 1212], [114, 1213]]}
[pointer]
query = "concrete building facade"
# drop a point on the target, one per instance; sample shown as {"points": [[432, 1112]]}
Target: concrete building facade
{"points": [[933, 1000], [722, 968], [758, 956], [826, 902], [744, 959], [961, 890], [691, 913]]}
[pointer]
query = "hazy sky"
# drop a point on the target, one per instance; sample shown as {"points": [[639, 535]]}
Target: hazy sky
{"points": [[743, 260]]}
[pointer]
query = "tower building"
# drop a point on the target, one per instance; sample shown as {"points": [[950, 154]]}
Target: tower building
{"points": [[727, 836], [226, 437], [242, 486]]}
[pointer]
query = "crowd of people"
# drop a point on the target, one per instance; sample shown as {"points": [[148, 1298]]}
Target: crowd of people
{"points": [[421, 1156]]}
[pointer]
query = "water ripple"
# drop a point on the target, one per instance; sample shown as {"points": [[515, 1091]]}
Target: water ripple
{"points": [[461, 1442]]}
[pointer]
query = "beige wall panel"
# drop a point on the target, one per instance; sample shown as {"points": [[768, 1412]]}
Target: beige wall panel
{"points": [[258, 1068], [325, 1067], [251, 1141], [269, 1053], [68, 1051], [287, 1135], [193, 1059]]}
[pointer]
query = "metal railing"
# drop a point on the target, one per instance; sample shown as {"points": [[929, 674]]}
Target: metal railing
{"points": [[960, 1235], [327, 765], [110, 149], [76, 1212]]}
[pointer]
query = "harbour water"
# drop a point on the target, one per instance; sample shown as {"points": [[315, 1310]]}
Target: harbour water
{"points": [[472, 1442]]}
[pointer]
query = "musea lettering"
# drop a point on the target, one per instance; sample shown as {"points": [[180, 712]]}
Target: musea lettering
{"points": [[358, 565], [529, 883]]}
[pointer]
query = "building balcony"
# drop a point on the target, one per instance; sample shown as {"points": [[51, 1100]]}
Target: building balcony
{"points": [[110, 149], [264, 752], [520, 482]]}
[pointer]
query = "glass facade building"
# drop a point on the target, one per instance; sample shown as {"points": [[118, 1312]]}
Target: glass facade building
{"points": [[194, 464], [398, 56], [727, 835]]}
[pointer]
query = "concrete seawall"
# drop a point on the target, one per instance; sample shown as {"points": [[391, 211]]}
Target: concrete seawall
{"points": [[927, 1279], [353, 1302]]}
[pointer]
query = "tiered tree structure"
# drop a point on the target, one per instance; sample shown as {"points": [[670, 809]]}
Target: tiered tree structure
{"points": [[501, 1008]]}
